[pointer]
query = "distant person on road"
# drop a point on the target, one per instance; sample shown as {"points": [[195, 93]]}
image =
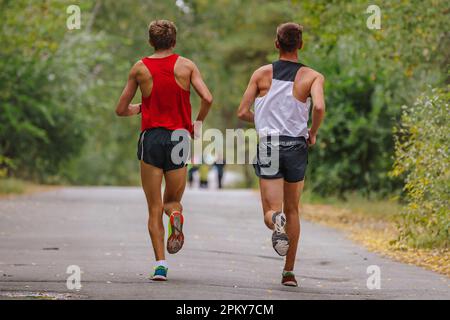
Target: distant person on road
{"points": [[281, 93], [220, 167], [204, 172], [164, 80], [192, 169]]}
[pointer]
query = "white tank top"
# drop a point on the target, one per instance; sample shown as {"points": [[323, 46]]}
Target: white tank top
{"points": [[279, 113]]}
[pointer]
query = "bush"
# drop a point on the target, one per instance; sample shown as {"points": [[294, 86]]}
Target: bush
{"points": [[422, 157]]}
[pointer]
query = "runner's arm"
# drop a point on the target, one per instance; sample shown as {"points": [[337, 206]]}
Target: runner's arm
{"points": [[124, 107], [203, 92], [318, 107], [244, 112]]}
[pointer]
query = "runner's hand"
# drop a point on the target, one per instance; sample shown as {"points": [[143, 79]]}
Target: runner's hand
{"points": [[197, 130], [134, 109], [312, 138]]}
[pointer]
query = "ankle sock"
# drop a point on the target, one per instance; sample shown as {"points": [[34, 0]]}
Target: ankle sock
{"points": [[162, 263]]}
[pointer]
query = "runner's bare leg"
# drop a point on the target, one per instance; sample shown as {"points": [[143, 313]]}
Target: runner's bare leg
{"points": [[292, 193], [175, 186], [151, 182], [271, 198]]}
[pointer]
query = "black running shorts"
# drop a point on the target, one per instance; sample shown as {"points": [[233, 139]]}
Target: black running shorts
{"points": [[286, 158], [163, 149]]}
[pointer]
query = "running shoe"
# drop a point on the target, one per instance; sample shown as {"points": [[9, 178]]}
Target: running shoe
{"points": [[289, 279], [175, 240], [160, 274], [280, 240]]}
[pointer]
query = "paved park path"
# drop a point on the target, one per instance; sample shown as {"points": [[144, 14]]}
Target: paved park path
{"points": [[227, 254]]}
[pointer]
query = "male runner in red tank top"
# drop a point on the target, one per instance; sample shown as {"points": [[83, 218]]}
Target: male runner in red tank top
{"points": [[164, 80]]}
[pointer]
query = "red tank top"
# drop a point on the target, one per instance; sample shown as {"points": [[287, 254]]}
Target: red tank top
{"points": [[168, 106]]}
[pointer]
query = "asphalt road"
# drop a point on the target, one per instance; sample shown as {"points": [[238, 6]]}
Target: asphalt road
{"points": [[227, 254]]}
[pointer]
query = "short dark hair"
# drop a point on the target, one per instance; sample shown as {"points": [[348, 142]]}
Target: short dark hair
{"points": [[162, 34], [289, 36]]}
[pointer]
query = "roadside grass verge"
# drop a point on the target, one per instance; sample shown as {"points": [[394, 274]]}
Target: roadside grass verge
{"points": [[374, 224], [12, 187]]}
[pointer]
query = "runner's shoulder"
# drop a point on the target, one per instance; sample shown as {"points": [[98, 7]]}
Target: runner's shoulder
{"points": [[138, 68], [263, 71], [185, 62], [312, 74]]}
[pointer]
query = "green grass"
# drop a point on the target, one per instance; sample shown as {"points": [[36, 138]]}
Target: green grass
{"points": [[11, 186], [385, 209]]}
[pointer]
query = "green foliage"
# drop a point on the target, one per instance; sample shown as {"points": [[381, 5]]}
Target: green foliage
{"points": [[369, 75], [5, 165], [45, 83], [422, 156]]}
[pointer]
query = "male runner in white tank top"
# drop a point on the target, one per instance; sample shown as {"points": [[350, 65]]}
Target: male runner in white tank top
{"points": [[281, 94]]}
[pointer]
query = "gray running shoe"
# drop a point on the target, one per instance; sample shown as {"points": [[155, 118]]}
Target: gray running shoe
{"points": [[280, 240]]}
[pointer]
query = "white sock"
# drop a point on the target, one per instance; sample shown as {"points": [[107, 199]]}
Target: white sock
{"points": [[162, 263]]}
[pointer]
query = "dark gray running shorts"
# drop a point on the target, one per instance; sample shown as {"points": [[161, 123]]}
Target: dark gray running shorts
{"points": [[290, 163]]}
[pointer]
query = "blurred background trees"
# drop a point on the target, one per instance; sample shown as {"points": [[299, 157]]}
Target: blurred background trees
{"points": [[58, 88]]}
